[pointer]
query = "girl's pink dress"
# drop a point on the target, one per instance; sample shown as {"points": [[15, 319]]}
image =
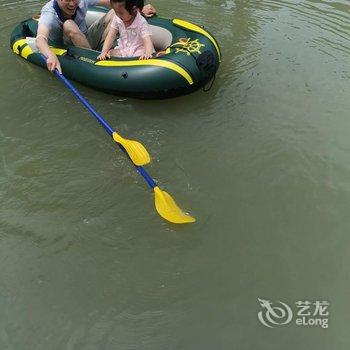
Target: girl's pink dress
{"points": [[130, 43]]}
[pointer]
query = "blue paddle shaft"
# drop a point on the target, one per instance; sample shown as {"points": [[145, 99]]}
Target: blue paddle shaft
{"points": [[100, 119], [88, 106], [146, 176]]}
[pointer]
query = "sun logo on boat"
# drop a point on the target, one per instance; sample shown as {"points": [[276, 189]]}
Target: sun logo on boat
{"points": [[188, 46]]}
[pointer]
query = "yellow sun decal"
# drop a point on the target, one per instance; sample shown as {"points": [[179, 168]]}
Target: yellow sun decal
{"points": [[188, 46]]}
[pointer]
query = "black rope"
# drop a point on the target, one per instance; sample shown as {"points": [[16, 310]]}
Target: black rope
{"points": [[211, 84]]}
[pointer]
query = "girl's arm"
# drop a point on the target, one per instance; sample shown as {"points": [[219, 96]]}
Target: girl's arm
{"points": [[107, 44], [149, 49]]}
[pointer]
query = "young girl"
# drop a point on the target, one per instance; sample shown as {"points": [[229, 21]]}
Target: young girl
{"points": [[135, 35]]}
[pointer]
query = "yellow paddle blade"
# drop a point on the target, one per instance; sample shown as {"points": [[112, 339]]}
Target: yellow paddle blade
{"points": [[168, 209], [136, 151]]}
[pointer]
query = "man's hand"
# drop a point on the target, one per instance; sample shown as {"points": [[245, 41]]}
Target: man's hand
{"points": [[149, 11], [106, 3], [53, 63]]}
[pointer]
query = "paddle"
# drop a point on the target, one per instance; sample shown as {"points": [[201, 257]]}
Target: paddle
{"points": [[135, 150], [164, 203]]}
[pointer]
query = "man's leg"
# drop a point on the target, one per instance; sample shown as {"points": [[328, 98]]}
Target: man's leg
{"points": [[107, 24], [72, 31], [98, 31]]}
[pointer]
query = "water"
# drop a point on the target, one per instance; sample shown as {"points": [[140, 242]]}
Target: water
{"points": [[262, 161]]}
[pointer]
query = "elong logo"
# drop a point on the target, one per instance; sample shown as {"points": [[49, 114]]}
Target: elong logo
{"points": [[308, 313], [274, 315]]}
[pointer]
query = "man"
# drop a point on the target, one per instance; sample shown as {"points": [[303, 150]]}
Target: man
{"points": [[65, 20]]}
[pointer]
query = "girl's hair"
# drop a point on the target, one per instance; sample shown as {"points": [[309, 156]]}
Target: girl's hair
{"points": [[131, 4]]}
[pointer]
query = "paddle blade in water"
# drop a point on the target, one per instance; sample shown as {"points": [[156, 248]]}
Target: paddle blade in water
{"points": [[136, 151], [168, 209]]}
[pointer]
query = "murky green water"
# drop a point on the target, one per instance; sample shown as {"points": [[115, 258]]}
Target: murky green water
{"points": [[262, 161]]}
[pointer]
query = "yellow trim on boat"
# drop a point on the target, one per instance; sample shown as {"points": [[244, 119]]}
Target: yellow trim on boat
{"points": [[152, 62], [26, 51], [193, 27], [17, 44], [58, 52]]}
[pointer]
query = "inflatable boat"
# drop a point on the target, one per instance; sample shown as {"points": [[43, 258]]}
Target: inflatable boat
{"points": [[187, 58]]}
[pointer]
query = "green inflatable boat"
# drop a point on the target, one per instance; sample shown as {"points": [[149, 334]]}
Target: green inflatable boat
{"points": [[187, 59]]}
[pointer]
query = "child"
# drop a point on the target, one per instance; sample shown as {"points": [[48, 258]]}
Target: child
{"points": [[135, 36]]}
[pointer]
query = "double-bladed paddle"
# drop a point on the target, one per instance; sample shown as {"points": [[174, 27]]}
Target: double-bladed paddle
{"points": [[164, 203]]}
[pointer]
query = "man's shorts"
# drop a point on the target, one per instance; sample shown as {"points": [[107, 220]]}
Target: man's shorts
{"points": [[93, 34], [95, 31]]}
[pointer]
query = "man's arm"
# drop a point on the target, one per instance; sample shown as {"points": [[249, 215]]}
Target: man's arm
{"points": [[148, 10], [43, 46], [105, 3]]}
